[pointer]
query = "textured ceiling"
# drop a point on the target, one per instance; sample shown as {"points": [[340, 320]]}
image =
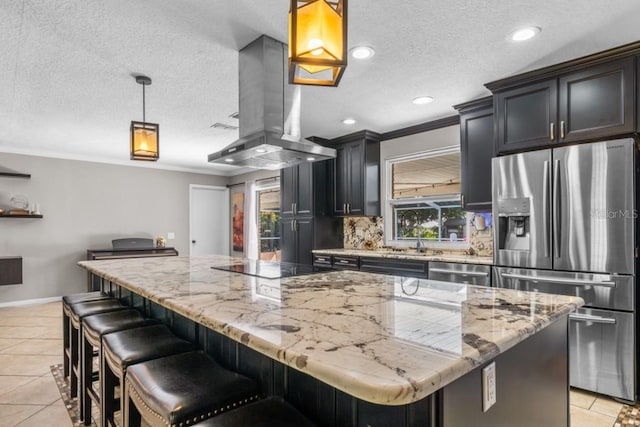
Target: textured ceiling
{"points": [[65, 70]]}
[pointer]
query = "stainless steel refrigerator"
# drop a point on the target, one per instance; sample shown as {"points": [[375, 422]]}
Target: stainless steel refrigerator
{"points": [[566, 224]]}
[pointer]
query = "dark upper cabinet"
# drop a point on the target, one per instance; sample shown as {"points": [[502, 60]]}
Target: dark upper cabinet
{"points": [[525, 116], [476, 152], [597, 102], [356, 189], [592, 102], [297, 192]]}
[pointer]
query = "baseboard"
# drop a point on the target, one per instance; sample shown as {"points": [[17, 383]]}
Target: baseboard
{"points": [[29, 302]]}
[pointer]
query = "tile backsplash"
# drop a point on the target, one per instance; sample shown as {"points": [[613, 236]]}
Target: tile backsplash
{"points": [[368, 233]]}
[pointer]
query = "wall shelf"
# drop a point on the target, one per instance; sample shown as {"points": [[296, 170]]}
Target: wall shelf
{"points": [[20, 216]]}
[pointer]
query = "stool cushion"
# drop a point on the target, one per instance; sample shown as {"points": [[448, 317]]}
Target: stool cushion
{"points": [[84, 297], [100, 324], [187, 387], [84, 309], [137, 345], [264, 413]]}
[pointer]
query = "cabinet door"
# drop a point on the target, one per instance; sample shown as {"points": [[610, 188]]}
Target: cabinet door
{"points": [[288, 243], [304, 202], [341, 181], [526, 116], [304, 236], [476, 151], [356, 190], [288, 190], [597, 102]]}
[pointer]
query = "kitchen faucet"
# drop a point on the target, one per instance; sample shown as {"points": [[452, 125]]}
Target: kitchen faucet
{"points": [[418, 227]]}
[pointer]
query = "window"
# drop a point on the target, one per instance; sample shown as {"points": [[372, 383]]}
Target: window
{"points": [[269, 223], [424, 198]]}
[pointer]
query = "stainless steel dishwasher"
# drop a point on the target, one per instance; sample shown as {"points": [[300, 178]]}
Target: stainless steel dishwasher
{"points": [[470, 274]]}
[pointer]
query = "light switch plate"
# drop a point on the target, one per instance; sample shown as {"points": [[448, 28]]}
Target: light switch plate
{"points": [[171, 235], [488, 386]]}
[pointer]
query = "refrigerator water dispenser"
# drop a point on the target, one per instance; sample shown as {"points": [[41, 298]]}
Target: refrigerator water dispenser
{"points": [[514, 217]]}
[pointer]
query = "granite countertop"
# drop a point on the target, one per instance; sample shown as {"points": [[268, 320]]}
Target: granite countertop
{"points": [[380, 338], [427, 256]]}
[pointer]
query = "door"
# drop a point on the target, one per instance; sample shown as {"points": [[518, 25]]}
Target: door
{"points": [[476, 151], [209, 223], [602, 352], [289, 190], [356, 184], [593, 201], [597, 102], [340, 196], [526, 116], [304, 236], [521, 203], [288, 241]]}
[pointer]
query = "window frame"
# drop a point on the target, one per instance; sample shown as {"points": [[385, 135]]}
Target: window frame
{"points": [[390, 203]]}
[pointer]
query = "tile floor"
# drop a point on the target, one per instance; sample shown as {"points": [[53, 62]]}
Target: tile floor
{"points": [[31, 341]]}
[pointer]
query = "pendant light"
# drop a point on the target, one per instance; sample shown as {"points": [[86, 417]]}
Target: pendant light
{"points": [[317, 41], [145, 137]]}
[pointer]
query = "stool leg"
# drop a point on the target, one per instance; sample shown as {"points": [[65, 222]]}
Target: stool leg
{"points": [[108, 383], [87, 374], [65, 343], [131, 415], [73, 377]]}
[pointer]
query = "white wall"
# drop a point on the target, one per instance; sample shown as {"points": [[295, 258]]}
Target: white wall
{"points": [[85, 205]]}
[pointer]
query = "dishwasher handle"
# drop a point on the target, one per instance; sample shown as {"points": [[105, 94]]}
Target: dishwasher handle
{"points": [[591, 318], [461, 273], [546, 279]]}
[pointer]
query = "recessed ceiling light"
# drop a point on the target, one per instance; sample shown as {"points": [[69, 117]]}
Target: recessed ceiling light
{"points": [[349, 121], [310, 159], [362, 52], [422, 100], [525, 34], [228, 160]]}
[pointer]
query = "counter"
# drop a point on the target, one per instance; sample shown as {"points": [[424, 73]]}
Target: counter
{"points": [[380, 253], [382, 339]]}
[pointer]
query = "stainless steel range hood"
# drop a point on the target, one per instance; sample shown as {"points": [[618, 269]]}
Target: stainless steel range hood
{"points": [[269, 113]]}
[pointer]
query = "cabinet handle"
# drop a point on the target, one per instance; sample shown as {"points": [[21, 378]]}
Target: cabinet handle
{"points": [[348, 208], [562, 129], [344, 208], [552, 131], [462, 201], [292, 221], [295, 209]]}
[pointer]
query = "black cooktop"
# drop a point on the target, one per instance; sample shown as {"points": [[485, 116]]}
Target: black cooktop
{"points": [[266, 269]]}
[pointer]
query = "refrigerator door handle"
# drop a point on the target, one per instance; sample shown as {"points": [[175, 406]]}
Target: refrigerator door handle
{"points": [[594, 319], [459, 272], [546, 279], [556, 209], [545, 208]]}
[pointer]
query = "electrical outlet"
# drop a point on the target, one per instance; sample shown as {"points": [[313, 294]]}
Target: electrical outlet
{"points": [[488, 386], [171, 235]]}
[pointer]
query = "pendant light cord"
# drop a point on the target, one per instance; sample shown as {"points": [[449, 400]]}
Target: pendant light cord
{"points": [[144, 120]]}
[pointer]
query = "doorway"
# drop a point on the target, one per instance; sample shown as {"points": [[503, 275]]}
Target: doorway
{"points": [[269, 222], [208, 220]]}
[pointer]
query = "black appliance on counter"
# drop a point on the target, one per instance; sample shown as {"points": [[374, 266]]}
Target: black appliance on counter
{"points": [[132, 247]]}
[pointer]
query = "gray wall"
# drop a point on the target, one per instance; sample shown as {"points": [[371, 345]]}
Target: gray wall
{"points": [[85, 205]]}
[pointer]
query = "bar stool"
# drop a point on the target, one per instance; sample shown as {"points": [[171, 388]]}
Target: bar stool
{"points": [[270, 412], [93, 329], [125, 348], [182, 389], [67, 300], [77, 313]]}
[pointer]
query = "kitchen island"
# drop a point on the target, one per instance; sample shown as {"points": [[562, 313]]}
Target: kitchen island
{"points": [[353, 348]]}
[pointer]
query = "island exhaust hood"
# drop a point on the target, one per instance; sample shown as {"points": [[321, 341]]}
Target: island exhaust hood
{"points": [[269, 113]]}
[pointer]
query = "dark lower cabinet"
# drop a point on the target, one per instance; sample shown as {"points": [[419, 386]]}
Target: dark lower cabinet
{"points": [[476, 151], [11, 270], [397, 267], [299, 236]]}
